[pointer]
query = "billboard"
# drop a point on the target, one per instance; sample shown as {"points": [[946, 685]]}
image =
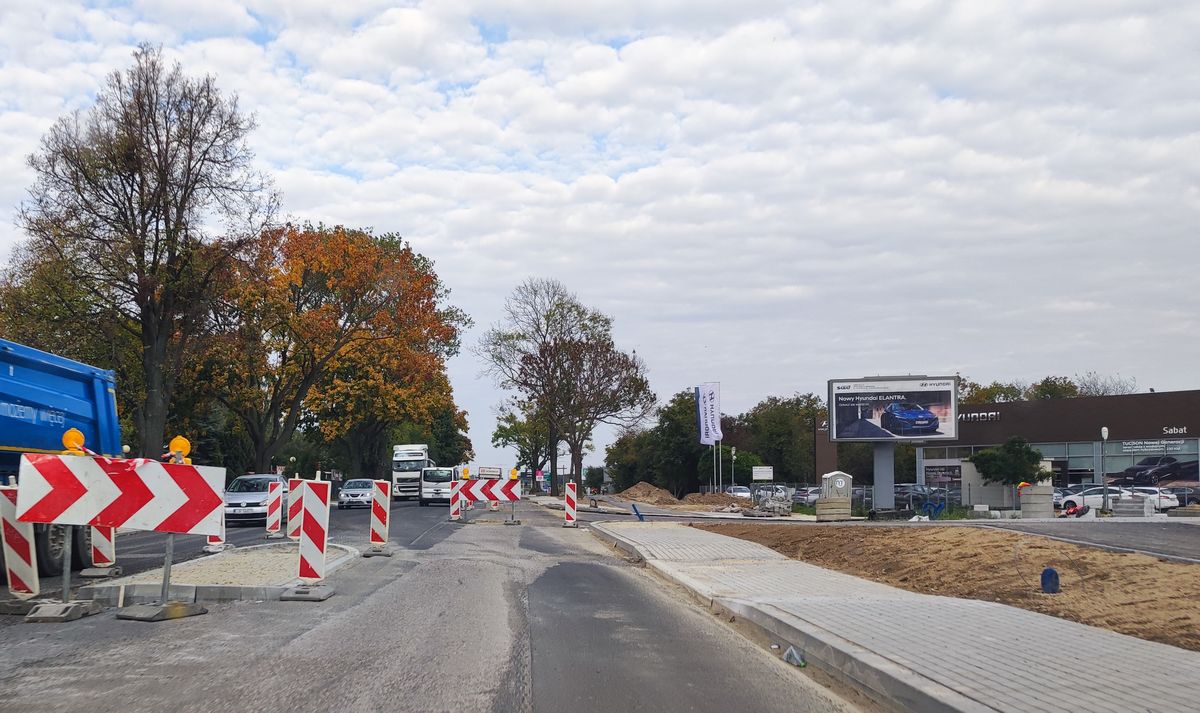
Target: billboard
{"points": [[918, 408]]}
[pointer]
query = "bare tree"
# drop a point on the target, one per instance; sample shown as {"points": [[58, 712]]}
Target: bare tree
{"points": [[605, 385], [524, 352], [125, 198], [1095, 384]]}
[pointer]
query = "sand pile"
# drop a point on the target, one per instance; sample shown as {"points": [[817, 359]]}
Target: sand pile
{"points": [[646, 493], [714, 499]]}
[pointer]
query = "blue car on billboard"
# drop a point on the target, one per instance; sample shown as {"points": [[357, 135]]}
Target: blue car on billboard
{"points": [[905, 418]]}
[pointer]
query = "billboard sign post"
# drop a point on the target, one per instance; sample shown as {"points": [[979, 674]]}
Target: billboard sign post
{"points": [[762, 472], [890, 409]]}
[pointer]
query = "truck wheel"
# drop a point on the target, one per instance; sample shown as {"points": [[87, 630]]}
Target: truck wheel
{"points": [[49, 541], [81, 548]]}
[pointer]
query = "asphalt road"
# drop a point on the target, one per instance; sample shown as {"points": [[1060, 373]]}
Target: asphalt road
{"points": [[1172, 539], [478, 617]]}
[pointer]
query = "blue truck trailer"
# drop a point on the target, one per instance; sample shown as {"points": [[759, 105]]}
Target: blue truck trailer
{"points": [[41, 396]]}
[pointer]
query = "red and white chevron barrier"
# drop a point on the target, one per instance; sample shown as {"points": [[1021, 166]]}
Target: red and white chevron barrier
{"points": [[569, 505], [274, 508], [455, 502], [314, 532], [380, 514], [295, 507], [490, 490], [216, 543], [139, 494], [20, 556], [104, 547]]}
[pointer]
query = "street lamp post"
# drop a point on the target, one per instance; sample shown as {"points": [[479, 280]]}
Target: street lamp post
{"points": [[1103, 479], [733, 466]]}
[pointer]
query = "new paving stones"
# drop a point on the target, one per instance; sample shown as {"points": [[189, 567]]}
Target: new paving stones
{"points": [[916, 651]]}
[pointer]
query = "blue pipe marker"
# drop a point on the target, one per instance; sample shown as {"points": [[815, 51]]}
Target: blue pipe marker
{"points": [[1050, 583], [640, 517]]}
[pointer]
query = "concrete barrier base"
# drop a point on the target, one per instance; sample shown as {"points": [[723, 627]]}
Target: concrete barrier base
{"points": [[304, 593], [58, 612]]}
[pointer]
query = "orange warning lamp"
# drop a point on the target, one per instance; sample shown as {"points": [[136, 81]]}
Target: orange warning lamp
{"points": [[72, 440], [466, 473], [512, 474], [182, 446]]}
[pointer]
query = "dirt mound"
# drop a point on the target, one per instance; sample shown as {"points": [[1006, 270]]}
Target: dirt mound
{"points": [[1133, 594], [713, 499], [646, 493]]}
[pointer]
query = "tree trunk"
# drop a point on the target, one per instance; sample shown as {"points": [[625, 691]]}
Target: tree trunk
{"points": [[153, 418], [554, 489]]}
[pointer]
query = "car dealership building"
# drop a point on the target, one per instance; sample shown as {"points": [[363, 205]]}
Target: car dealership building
{"points": [[1156, 435]]}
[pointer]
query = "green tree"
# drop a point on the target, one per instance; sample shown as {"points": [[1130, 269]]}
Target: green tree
{"points": [[676, 450], [593, 476], [1011, 463], [743, 472], [997, 392], [781, 431], [1052, 387], [123, 196], [527, 432], [628, 460]]}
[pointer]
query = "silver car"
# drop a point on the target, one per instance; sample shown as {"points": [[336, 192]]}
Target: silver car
{"points": [[246, 497], [356, 492]]}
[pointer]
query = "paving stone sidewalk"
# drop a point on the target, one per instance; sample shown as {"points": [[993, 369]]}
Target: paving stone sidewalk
{"points": [[915, 651]]}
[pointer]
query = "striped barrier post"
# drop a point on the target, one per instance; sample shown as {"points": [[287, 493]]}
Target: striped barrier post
{"points": [[274, 510], [104, 553], [20, 556], [569, 505], [455, 502], [295, 510], [494, 506], [314, 533], [104, 547], [216, 543], [381, 503]]}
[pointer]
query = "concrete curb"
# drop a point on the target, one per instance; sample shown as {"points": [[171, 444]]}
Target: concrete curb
{"points": [[890, 684], [615, 540], [113, 595]]}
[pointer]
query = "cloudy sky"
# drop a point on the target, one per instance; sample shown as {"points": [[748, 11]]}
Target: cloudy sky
{"points": [[763, 193]]}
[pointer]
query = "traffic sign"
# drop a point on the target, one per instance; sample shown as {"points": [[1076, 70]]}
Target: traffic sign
{"points": [[490, 490], [487, 471], [139, 494]]}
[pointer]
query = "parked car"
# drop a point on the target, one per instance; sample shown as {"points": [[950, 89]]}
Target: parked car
{"points": [[739, 491], [1161, 499], [771, 491], [356, 492], [1148, 471], [807, 496], [1186, 496], [904, 418], [246, 497], [1094, 497]]}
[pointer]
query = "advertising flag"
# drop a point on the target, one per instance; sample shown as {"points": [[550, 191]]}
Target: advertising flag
{"points": [[708, 412]]}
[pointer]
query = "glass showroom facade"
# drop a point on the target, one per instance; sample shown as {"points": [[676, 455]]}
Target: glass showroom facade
{"points": [[1152, 438]]}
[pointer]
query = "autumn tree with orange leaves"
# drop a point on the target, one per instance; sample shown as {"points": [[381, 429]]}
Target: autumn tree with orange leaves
{"points": [[352, 320]]}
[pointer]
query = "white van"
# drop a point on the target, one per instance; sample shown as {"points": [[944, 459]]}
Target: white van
{"points": [[435, 485]]}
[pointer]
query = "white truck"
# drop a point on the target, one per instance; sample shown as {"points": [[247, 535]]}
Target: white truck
{"points": [[407, 463]]}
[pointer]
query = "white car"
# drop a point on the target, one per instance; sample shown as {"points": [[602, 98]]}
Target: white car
{"points": [[1161, 499], [1094, 497], [807, 496], [739, 491]]}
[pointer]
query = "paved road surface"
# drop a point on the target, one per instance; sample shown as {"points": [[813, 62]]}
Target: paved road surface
{"points": [[1166, 538], [464, 618]]}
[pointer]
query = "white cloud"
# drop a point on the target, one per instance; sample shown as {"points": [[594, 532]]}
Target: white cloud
{"points": [[767, 193]]}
